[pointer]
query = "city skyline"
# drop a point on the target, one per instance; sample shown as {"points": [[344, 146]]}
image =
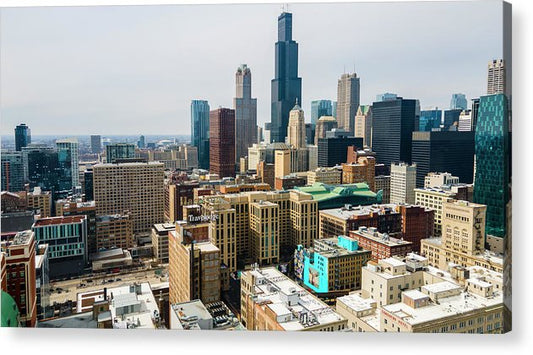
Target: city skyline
{"points": [[81, 83]]}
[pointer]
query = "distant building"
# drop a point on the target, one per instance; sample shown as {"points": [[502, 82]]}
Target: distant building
{"points": [[363, 124], [222, 142], [451, 118], [496, 77], [348, 91], [177, 195], [96, 144], [386, 97], [429, 120], [289, 182], [333, 149], [320, 108], [362, 169], [12, 171], [296, 128], [324, 124], [245, 112], [22, 136], [40, 202], [74, 207], [119, 151], [440, 179], [465, 121], [200, 131], [458, 101]]}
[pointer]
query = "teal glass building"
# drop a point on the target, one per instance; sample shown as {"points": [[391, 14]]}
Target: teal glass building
{"points": [[492, 148]]}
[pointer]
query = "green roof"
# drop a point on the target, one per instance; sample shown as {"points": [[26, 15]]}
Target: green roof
{"points": [[10, 311], [321, 192], [364, 109]]}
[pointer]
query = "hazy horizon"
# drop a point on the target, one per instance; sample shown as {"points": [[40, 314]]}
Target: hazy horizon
{"points": [[135, 69]]}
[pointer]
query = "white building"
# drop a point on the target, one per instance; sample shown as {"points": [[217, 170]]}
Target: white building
{"points": [[402, 183]]}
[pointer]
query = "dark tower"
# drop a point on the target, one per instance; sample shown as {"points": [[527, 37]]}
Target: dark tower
{"points": [[286, 85]]}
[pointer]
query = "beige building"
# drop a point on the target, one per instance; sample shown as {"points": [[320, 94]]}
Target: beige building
{"points": [[133, 187], [296, 128], [440, 179], [323, 125], [463, 238], [194, 268], [402, 183], [264, 229], [282, 163], [114, 231], [433, 198], [362, 171], [362, 314], [382, 182], [40, 201], [312, 151], [363, 124], [332, 176], [347, 101], [160, 241], [272, 301]]}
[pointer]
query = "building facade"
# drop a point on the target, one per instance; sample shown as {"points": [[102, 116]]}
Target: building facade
{"points": [[200, 131], [348, 92], [245, 112], [222, 142], [363, 124], [403, 183]]}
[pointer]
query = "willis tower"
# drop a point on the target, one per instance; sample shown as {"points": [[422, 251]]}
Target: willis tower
{"points": [[286, 85]]}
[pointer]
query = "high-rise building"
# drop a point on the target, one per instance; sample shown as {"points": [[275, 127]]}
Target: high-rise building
{"points": [[324, 124], [282, 164], [451, 119], [333, 149], [200, 131], [20, 274], [177, 195], [22, 136], [70, 207], [12, 171], [245, 112], [496, 77], [222, 142], [393, 123], [67, 151], [320, 108], [88, 187], [429, 120], [452, 152], [458, 101], [119, 151], [133, 187], [386, 96], [474, 113], [264, 228], [402, 183], [141, 143], [363, 124], [114, 231], [465, 121], [334, 109], [66, 237], [296, 128], [96, 144], [492, 149], [348, 91], [44, 169], [309, 133], [286, 85]]}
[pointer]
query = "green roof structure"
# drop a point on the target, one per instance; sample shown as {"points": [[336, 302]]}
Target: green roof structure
{"points": [[334, 196], [10, 311]]}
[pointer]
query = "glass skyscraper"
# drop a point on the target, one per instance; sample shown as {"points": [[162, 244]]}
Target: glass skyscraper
{"points": [[458, 101], [286, 86], [429, 119], [12, 171], [320, 108], [67, 151], [200, 131], [22, 136], [492, 147]]}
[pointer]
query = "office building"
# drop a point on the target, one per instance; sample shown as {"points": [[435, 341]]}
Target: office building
{"points": [[403, 183], [67, 244], [312, 155], [277, 293], [296, 129], [119, 151], [177, 195], [245, 112], [282, 163], [73, 207], [458, 101], [386, 97], [330, 176], [429, 120], [114, 231], [362, 170], [452, 152], [264, 229], [40, 202], [68, 151], [286, 87], [363, 124], [45, 170], [141, 143], [200, 131], [432, 197], [309, 133], [12, 171], [393, 123], [96, 144], [160, 233], [194, 264], [117, 189], [334, 108], [22, 136], [451, 119], [222, 142], [381, 245], [324, 124], [289, 182], [320, 108], [465, 121], [493, 154], [20, 281], [332, 266], [88, 185], [496, 77], [433, 179], [417, 224], [348, 91], [333, 149]]}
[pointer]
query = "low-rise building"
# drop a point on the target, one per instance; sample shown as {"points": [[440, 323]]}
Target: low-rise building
{"points": [[272, 301], [381, 244], [160, 240], [331, 176], [289, 182], [114, 231], [194, 315], [116, 258]]}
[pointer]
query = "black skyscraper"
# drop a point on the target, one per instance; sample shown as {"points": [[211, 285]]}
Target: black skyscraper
{"points": [[450, 152], [22, 136], [333, 150], [286, 85], [393, 123]]}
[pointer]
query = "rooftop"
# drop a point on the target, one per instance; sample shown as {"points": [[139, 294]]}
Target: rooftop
{"points": [[164, 227], [357, 303], [382, 238], [50, 221]]}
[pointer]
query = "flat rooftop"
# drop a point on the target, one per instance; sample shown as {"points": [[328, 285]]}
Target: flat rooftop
{"points": [[381, 238], [51, 221], [357, 303], [164, 227]]}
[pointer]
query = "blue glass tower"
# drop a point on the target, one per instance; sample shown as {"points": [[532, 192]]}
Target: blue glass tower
{"points": [[22, 136], [458, 101], [200, 131], [492, 148], [429, 119], [286, 87], [320, 108]]}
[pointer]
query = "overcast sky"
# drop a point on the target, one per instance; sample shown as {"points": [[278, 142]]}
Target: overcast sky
{"points": [[134, 70]]}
